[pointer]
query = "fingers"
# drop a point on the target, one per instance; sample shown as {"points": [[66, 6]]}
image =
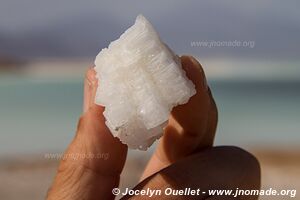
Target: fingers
{"points": [[194, 116], [208, 139], [191, 126], [94, 160], [90, 89], [87, 90], [223, 168], [93, 131]]}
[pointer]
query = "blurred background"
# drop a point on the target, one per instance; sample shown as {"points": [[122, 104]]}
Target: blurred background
{"points": [[249, 50]]}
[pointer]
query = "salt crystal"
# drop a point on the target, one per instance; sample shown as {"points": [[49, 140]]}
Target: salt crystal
{"points": [[140, 81]]}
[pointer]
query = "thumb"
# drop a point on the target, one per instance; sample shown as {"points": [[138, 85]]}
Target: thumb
{"points": [[92, 164]]}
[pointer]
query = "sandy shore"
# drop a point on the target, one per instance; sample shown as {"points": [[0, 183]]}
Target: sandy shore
{"points": [[29, 177]]}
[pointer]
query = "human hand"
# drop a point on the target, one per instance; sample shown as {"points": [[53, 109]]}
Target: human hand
{"points": [[190, 130], [191, 127]]}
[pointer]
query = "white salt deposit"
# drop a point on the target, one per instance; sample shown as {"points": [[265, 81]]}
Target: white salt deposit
{"points": [[140, 81]]}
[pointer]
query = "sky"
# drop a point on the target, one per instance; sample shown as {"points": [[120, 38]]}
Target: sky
{"points": [[81, 28]]}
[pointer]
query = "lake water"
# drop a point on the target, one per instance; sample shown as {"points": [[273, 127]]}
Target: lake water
{"points": [[38, 116]]}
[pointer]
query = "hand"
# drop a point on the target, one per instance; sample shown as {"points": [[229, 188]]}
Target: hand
{"points": [[90, 178], [190, 132], [191, 127]]}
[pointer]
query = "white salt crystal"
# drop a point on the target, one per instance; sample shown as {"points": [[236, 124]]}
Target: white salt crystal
{"points": [[140, 81]]}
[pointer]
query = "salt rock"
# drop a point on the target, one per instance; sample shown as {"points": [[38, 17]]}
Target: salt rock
{"points": [[140, 81]]}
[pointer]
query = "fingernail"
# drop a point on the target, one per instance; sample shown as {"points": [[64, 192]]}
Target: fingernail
{"points": [[205, 82], [88, 82], [91, 78], [195, 61]]}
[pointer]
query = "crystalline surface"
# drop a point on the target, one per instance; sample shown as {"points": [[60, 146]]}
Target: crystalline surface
{"points": [[140, 81]]}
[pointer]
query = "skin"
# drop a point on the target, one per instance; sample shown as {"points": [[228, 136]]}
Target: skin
{"points": [[184, 156]]}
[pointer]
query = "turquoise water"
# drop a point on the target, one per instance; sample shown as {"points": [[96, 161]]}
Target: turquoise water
{"points": [[38, 116], [258, 113]]}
